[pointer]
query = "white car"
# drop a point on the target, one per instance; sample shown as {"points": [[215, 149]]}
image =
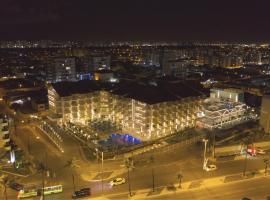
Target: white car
{"points": [[210, 168], [117, 181], [260, 151]]}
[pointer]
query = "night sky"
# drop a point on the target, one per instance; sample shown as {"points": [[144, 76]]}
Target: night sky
{"points": [[153, 20]]}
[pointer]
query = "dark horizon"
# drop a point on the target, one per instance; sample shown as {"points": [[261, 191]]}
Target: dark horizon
{"points": [[152, 20]]}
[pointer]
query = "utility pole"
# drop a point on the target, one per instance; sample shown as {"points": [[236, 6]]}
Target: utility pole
{"points": [[15, 126], [204, 154], [153, 174], [73, 181], [28, 143], [266, 161], [245, 165], [5, 180], [43, 181], [46, 162], [248, 140], [214, 145], [128, 165]]}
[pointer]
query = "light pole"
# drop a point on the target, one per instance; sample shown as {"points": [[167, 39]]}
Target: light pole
{"points": [[28, 144], [214, 144], [14, 123], [73, 181], [247, 141], [266, 161], [102, 172], [128, 165], [153, 174], [204, 154], [245, 166]]}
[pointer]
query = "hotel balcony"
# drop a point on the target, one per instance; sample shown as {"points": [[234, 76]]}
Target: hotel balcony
{"points": [[6, 138], [7, 147], [4, 123], [4, 131]]}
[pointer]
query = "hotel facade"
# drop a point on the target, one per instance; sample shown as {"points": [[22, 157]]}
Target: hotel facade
{"points": [[145, 111]]}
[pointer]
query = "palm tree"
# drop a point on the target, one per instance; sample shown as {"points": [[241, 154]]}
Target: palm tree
{"points": [[180, 176]]}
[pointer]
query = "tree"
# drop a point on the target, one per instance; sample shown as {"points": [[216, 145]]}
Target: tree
{"points": [[180, 176]]}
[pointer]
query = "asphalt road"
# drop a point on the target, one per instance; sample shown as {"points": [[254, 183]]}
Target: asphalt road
{"points": [[141, 178], [254, 189]]}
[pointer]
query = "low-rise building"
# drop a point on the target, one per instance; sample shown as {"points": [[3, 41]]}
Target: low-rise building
{"points": [[224, 108]]}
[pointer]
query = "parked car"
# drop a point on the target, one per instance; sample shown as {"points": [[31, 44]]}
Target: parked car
{"points": [[117, 181], [15, 186], [260, 151], [251, 150], [210, 167], [85, 192]]}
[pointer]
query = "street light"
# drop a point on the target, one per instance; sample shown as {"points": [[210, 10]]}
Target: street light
{"points": [[153, 174], [128, 166], [214, 144], [204, 154], [266, 162], [102, 172]]}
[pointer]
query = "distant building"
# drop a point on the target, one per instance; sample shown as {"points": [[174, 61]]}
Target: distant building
{"points": [[151, 58], [231, 94], [99, 62], [172, 63], [104, 76], [64, 69], [265, 114]]}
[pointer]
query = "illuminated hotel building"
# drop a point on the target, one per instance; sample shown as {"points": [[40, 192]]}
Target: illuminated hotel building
{"points": [[224, 108], [143, 110]]}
